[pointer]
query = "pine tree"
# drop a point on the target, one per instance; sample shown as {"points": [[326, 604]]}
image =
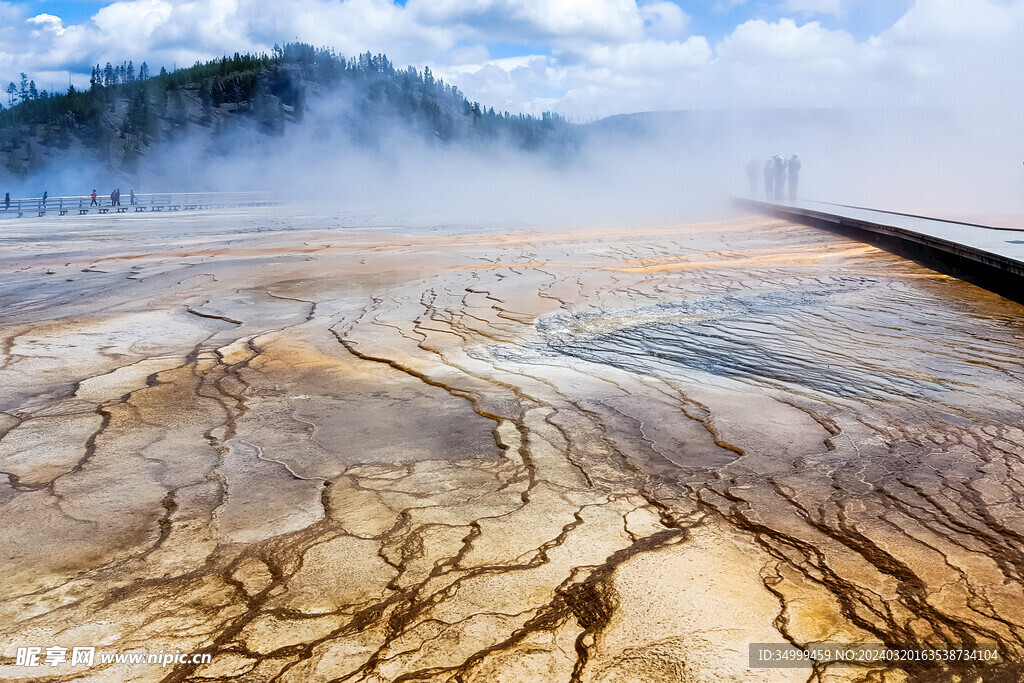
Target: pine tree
{"points": [[177, 110], [134, 127], [64, 124], [144, 71], [206, 100], [268, 109]]}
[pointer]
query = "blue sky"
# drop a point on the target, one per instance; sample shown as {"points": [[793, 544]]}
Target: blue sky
{"points": [[586, 58], [861, 19], [74, 11]]}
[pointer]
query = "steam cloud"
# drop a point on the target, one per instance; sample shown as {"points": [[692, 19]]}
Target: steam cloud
{"points": [[631, 170]]}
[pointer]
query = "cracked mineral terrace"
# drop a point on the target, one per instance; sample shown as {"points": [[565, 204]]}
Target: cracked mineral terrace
{"points": [[320, 452]]}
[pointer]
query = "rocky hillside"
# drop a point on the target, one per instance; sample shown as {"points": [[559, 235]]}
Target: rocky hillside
{"points": [[126, 117]]}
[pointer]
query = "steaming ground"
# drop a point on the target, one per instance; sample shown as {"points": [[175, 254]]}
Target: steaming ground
{"points": [[320, 450]]}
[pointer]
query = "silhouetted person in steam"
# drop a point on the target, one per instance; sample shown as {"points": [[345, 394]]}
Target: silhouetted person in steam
{"points": [[94, 202], [45, 195], [794, 176], [113, 197], [752, 168], [779, 166], [7, 201], [769, 179], [131, 193]]}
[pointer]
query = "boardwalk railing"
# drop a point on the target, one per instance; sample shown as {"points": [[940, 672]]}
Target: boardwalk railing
{"points": [[165, 201]]}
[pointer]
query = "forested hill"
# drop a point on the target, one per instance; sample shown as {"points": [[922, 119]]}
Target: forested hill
{"points": [[126, 115]]}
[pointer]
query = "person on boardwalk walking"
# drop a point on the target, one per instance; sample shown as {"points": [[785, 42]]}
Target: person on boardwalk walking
{"points": [[794, 176], [93, 195], [131, 193], [7, 201], [45, 195]]}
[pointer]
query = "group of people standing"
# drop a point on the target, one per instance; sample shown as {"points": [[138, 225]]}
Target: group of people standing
{"points": [[115, 197], [776, 171]]}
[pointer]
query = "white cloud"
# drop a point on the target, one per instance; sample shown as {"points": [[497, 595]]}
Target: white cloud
{"points": [[941, 53], [46, 23], [664, 19], [784, 42], [594, 57]]}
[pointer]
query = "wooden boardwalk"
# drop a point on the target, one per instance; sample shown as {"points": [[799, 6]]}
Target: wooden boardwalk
{"points": [[81, 205], [990, 256]]}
